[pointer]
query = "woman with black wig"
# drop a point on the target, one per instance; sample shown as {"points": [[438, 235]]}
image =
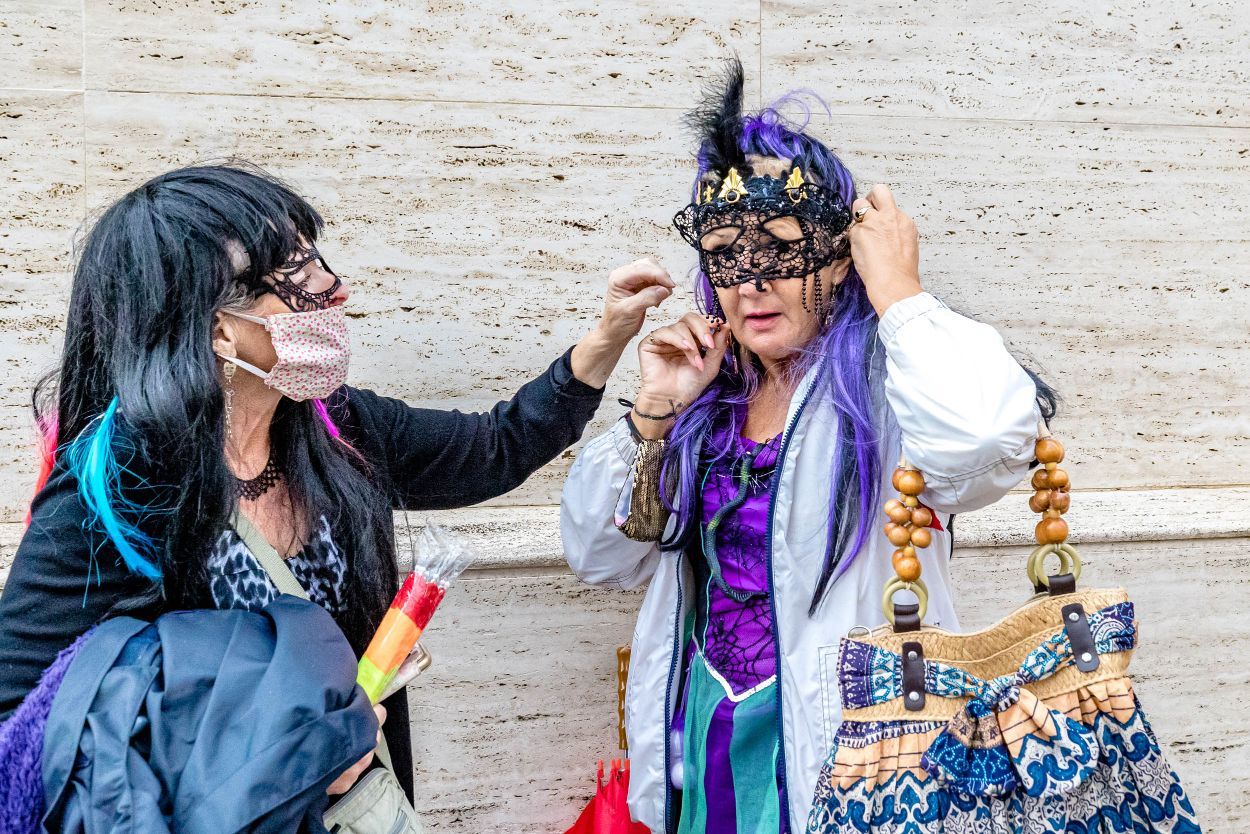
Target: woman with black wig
{"points": [[202, 376]]}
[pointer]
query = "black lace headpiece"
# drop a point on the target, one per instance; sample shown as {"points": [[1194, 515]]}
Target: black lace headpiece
{"points": [[764, 228], [281, 282]]}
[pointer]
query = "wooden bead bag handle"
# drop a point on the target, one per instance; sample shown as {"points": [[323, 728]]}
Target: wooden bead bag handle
{"points": [[908, 530]]}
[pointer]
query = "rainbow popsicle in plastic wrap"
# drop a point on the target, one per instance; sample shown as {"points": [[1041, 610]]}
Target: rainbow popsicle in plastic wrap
{"points": [[440, 558]]}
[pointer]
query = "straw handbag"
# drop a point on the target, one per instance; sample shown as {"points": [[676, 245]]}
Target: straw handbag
{"points": [[1031, 725]]}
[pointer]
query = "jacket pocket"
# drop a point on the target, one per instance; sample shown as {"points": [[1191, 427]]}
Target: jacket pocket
{"points": [[830, 697]]}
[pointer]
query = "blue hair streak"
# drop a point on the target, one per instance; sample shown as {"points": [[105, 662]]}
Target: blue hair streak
{"points": [[92, 458]]}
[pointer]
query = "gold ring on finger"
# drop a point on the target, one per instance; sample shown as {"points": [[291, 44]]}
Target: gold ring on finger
{"points": [[859, 213]]}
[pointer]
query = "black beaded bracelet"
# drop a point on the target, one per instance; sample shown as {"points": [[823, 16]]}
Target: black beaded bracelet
{"points": [[659, 418]]}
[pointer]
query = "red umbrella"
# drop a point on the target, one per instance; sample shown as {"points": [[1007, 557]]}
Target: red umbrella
{"points": [[607, 812]]}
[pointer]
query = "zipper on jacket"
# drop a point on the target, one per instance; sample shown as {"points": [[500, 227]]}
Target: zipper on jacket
{"points": [[401, 824], [669, 823], [784, 799], [668, 693]]}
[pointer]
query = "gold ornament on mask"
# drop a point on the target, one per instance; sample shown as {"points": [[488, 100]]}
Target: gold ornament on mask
{"points": [[794, 185], [732, 189]]}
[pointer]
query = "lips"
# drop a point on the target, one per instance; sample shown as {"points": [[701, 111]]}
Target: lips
{"points": [[761, 320]]}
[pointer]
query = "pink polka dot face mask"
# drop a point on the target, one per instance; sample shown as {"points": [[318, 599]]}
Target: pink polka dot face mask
{"points": [[313, 352]]}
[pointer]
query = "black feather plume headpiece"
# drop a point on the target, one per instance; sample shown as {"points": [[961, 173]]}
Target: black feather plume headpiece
{"points": [[717, 122], [763, 228]]}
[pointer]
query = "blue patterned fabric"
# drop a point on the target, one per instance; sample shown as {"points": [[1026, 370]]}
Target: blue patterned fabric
{"points": [[1084, 762], [872, 675]]}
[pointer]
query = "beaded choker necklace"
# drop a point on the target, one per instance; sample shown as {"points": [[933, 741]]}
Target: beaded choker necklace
{"points": [[253, 488]]}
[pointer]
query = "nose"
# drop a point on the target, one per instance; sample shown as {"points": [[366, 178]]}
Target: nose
{"points": [[341, 295], [754, 287]]}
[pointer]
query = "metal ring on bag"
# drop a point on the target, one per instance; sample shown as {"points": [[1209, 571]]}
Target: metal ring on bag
{"points": [[1037, 559], [894, 586], [859, 631], [1069, 562]]}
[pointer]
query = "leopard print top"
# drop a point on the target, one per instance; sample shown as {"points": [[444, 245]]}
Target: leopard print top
{"points": [[238, 580]]}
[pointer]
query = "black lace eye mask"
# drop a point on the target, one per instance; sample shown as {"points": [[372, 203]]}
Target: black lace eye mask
{"points": [[765, 230], [284, 283]]}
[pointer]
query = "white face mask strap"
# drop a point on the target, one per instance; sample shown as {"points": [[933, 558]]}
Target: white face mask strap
{"points": [[248, 317], [247, 366]]}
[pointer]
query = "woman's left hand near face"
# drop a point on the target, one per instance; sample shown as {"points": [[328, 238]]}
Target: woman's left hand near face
{"points": [[344, 783], [885, 249]]}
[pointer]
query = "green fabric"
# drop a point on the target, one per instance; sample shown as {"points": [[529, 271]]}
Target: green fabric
{"points": [[702, 697], [753, 758], [753, 751]]}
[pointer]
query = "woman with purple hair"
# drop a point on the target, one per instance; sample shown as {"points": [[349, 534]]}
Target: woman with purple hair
{"points": [[744, 482]]}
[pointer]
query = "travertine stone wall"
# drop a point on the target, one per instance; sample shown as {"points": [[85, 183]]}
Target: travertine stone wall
{"points": [[1079, 173]]}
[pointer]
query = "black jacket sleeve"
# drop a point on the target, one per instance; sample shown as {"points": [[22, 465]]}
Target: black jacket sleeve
{"points": [[64, 580], [443, 459]]}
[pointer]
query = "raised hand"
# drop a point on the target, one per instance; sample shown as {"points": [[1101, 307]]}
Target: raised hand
{"points": [[885, 249], [633, 289], [677, 363]]}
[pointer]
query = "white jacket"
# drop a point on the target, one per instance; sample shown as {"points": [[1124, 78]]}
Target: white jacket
{"points": [[968, 417]]}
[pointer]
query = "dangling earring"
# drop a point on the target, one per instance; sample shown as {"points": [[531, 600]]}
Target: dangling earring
{"points": [[228, 390], [830, 304], [731, 347], [716, 308], [828, 311]]}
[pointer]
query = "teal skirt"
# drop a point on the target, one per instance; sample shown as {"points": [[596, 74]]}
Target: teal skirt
{"points": [[730, 757]]}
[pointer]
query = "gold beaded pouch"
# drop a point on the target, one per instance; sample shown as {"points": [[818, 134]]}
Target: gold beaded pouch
{"points": [[640, 512], [1031, 725]]}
